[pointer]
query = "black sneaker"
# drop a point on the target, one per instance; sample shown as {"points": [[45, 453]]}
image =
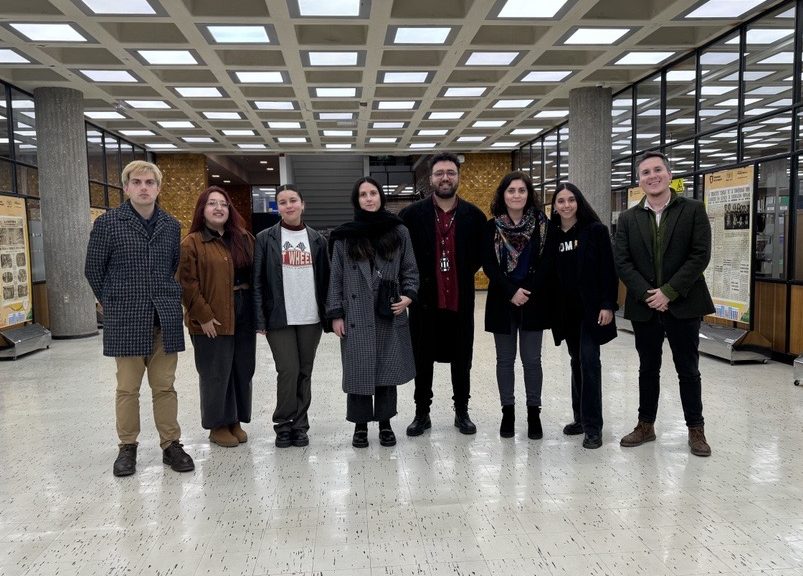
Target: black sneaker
{"points": [[418, 425], [284, 439], [463, 422], [175, 457], [126, 462], [573, 429], [300, 438]]}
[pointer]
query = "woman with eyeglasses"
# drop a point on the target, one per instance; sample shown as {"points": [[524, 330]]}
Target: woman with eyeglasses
{"points": [[291, 277], [215, 276]]}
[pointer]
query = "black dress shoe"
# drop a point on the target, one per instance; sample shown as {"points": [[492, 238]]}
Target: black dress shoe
{"points": [[360, 438], [175, 457], [387, 437], [283, 439], [592, 441], [418, 425], [573, 429], [463, 422], [300, 438], [126, 462]]}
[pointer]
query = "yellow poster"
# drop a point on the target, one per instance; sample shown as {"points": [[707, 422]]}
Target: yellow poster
{"points": [[728, 202], [15, 270]]}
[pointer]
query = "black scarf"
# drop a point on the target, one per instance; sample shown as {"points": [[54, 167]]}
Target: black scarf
{"points": [[367, 228]]}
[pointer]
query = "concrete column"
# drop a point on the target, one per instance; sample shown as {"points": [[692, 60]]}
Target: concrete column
{"points": [[590, 146], [64, 193], [286, 175]]}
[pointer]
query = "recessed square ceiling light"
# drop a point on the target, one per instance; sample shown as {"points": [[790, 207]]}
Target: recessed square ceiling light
{"points": [[713, 90], [471, 139], [507, 144], [49, 32], [338, 146], [488, 124], [779, 58], [724, 8], [273, 105], [396, 105], [222, 115], [239, 34], [432, 132], [643, 58], [293, 140], [252, 146], [546, 76], [329, 7], [749, 76], [679, 76], [387, 125], [491, 58], [552, 114], [336, 92], [8, 56], [259, 77], [422, 145], [530, 9], [596, 35], [526, 131], [104, 115], [378, 140], [284, 125], [719, 57], [512, 103], [199, 92], [239, 132], [148, 104], [109, 75], [161, 146], [763, 35], [445, 115], [335, 115], [165, 57], [421, 35], [119, 6], [734, 102], [769, 90], [197, 140], [405, 77], [465, 92], [338, 133], [137, 133], [333, 58], [176, 124]]}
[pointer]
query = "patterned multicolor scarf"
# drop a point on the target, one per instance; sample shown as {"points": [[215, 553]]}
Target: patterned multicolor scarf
{"points": [[511, 239]]}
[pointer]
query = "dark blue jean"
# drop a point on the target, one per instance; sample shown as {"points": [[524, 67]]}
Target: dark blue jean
{"points": [[684, 338], [586, 379]]}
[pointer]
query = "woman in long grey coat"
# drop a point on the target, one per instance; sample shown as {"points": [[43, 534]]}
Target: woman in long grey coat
{"points": [[374, 279]]}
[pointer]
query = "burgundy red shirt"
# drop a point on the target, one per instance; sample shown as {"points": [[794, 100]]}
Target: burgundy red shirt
{"points": [[446, 258]]}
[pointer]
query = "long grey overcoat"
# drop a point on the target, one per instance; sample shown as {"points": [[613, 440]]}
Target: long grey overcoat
{"points": [[375, 351], [133, 276]]}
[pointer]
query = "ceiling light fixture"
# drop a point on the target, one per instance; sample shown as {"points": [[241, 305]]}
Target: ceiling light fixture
{"points": [[491, 58], [239, 34], [49, 32], [167, 57], [333, 58], [119, 6], [596, 35], [329, 7], [259, 77], [530, 9], [199, 92], [417, 35]]}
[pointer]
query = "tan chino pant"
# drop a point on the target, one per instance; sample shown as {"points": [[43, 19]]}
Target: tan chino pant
{"points": [[161, 369]]}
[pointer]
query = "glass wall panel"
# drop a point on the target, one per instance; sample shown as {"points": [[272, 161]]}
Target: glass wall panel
{"points": [[648, 113], [536, 162], [719, 94], [622, 173], [112, 160], [549, 191], [799, 222], [767, 137], [772, 219], [563, 155], [622, 124], [24, 126], [550, 155], [115, 197], [27, 181], [126, 156], [718, 149], [95, 156], [5, 137], [6, 177], [97, 195], [680, 100], [681, 157]]}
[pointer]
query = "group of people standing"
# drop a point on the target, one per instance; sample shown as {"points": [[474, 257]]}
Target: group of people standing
{"points": [[398, 291]]}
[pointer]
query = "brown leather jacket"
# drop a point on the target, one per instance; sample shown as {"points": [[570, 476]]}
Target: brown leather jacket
{"points": [[206, 274]]}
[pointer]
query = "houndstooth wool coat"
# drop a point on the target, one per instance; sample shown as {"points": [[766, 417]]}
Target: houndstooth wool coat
{"points": [[134, 278], [375, 351]]}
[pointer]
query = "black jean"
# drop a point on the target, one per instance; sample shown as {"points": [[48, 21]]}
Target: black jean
{"points": [[361, 409], [684, 338], [586, 378]]}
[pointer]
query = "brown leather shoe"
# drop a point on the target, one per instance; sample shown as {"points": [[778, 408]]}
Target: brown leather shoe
{"points": [[697, 443], [223, 437], [238, 433], [643, 432]]}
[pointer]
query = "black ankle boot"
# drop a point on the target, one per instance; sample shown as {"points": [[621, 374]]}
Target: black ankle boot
{"points": [[508, 426], [360, 438], [534, 430]]}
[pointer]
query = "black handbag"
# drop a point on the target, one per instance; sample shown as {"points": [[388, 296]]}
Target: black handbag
{"points": [[387, 295]]}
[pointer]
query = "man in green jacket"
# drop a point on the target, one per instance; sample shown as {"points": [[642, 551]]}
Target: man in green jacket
{"points": [[663, 245]]}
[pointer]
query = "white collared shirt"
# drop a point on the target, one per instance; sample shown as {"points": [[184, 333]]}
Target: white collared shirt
{"points": [[657, 211]]}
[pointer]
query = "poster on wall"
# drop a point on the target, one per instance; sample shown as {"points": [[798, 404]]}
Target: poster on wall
{"points": [[728, 198], [15, 269]]}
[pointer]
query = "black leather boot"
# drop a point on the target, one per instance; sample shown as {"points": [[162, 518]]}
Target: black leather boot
{"points": [[534, 430], [462, 421], [126, 462], [508, 427]]}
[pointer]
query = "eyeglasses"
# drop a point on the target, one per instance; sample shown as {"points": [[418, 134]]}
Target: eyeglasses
{"points": [[213, 203], [442, 173]]}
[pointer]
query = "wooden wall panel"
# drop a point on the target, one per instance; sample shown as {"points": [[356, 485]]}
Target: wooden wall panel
{"points": [[183, 178], [770, 313], [796, 321]]}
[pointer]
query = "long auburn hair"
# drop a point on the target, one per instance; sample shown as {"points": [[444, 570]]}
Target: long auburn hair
{"points": [[235, 226], [585, 213], [365, 248]]}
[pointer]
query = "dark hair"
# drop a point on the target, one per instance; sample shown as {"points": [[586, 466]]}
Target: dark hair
{"points": [[498, 206], [355, 192], [234, 226], [366, 247], [444, 157], [291, 187], [585, 213], [653, 154]]}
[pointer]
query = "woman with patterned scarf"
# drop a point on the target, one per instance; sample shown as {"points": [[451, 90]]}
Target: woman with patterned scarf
{"points": [[516, 310]]}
